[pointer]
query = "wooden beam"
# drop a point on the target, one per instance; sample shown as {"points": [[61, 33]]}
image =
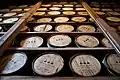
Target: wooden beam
{"points": [[56, 78], [112, 36], [7, 38]]}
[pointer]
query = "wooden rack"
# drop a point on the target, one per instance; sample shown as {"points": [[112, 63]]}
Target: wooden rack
{"points": [[7, 38], [100, 51]]}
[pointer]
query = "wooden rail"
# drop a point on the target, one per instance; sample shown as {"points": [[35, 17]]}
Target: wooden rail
{"points": [[57, 78], [112, 36], [7, 38]]}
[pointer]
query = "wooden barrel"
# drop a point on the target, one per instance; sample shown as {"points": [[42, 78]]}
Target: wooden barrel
{"points": [[86, 28], [105, 42], [58, 41], [43, 28], [64, 28], [32, 41], [84, 65], [15, 63], [47, 64], [10, 20], [86, 41], [112, 63]]}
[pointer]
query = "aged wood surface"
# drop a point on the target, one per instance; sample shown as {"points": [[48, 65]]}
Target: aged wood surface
{"points": [[56, 78]]}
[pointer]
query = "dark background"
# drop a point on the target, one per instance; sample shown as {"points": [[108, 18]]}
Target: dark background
{"points": [[4, 3]]}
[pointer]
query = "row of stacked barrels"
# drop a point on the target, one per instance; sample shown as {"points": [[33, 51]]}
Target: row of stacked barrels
{"points": [[51, 64], [61, 40]]}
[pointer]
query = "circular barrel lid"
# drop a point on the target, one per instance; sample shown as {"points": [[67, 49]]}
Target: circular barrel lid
{"points": [[73, 2], [107, 10], [16, 10], [39, 13], [113, 13], [46, 5], [64, 28], [113, 19], [78, 19], [57, 5], [43, 28], [34, 41], [67, 8], [86, 28], [48, 64], [63, 2], [10, 20], [17, 61], [100, 13], [85, 65], [61, 19], [9, 14], [69, 12], [78, 5], [21, 14], [96, 9], [80, 9], [68, 5], [54, 13], [87, 41], [27, 9], [44, 20], [113, 63], [54, 8], [106, 43], [59, 40], [83, 13], [41, 9]]}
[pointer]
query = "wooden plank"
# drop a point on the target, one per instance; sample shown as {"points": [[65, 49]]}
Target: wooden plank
{"points": [[56, 78], [67, 48], [7, 38], [52, 32]]}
